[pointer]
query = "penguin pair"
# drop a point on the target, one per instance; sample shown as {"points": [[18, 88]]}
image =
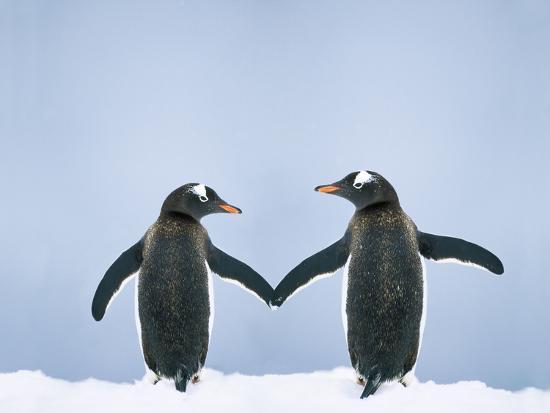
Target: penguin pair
{"points": [[383, 305], [174, 292], [384, 283]]}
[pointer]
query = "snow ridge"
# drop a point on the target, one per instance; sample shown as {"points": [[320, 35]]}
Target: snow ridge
{"points": [[325, 391]]}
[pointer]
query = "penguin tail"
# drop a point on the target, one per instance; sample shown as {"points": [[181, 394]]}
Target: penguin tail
{"points": [[373, 383], [182, 378]]}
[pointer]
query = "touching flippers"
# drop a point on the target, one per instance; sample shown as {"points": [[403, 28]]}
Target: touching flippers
{"points": [[440, 248], [232, 270], [325, 262], [126, 265]]}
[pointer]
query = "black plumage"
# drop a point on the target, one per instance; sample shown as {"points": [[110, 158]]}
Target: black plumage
{"points": [[385, 293], [384, 280], [173, 296], [174, 299]]}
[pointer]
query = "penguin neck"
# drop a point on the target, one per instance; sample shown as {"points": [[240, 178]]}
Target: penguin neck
{"points": [[386, 204], [177, 215], [384, 196]]}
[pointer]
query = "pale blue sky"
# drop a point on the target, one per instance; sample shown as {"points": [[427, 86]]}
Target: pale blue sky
{"points": [[105, 107]]}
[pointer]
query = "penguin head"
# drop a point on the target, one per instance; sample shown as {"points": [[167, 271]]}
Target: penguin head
{"points": [[197, 201], [363, 189]]}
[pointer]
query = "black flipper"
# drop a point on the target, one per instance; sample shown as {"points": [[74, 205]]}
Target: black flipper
{"points": [[373, 383], [127, 264], [324, 262], [437, 247], [232, 270]]}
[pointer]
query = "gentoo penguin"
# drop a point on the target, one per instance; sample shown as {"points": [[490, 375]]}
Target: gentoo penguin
{"points": [[383, 299], [174, 295]]}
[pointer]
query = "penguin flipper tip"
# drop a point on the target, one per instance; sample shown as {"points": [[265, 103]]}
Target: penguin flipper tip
{"points": [[97, 314]]}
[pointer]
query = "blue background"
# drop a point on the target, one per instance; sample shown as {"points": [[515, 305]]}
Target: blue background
{"points": [[107, 106]]}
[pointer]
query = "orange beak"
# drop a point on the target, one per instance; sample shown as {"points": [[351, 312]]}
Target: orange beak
{"points": [[230, 209], [327, 188]]}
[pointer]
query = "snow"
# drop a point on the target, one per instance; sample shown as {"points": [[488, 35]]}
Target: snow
{"points": [[330, 391]]}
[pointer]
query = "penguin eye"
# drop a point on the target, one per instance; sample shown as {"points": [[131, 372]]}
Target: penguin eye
{"points": [[203, 198], [358, 185]]}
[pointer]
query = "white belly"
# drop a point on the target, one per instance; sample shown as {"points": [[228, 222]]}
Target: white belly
{"points": [[345, 280], [424, 307], [210, 301], [136, 313], [150, 375]]}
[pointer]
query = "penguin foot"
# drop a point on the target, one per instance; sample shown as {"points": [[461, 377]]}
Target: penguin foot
{"points": [[152, 377], [360, 381], [196, 379], [407, 379]]}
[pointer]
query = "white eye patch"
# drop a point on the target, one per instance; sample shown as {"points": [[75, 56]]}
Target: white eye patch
{"points": [[361, 179], [200, 191]]}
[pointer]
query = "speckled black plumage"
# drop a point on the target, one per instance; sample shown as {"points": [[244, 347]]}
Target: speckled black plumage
{"points": [[385, 292], [174, 302], [174, 292], [384, 280]]}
